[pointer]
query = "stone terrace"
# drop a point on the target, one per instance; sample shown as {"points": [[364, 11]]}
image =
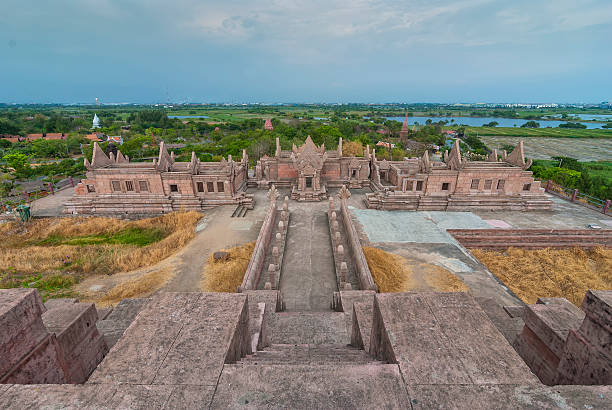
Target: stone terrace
{"points": [[192, 350]]}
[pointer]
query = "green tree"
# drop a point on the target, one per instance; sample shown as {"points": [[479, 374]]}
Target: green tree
{"points": [[19, 162]]}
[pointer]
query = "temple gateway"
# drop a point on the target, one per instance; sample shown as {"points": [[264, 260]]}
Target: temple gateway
{"points": [[114, 185]]}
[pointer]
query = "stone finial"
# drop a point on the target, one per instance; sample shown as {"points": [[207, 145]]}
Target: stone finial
{"points": [[331, 204], [284, 215], [340, 251], [275, 252], [348, 286], [344, 193], [279, 237], [492, 157], [338, 236], [340, 147], [281, 226], [285, 206], [273, 193], [268, 286], [277, 153], [343, 271], [333, 216], [335, 226]]}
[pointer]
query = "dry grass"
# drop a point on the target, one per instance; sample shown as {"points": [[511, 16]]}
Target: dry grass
{"points": [[21, 251], [142, 286], [441, 280], [567, 273], [226, 275], [392, 273]]}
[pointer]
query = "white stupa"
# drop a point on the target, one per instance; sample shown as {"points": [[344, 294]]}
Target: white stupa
{"points": [[96, 121]]}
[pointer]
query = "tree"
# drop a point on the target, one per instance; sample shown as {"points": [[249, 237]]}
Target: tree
{"points": [[19, 162], [530, 124], [352, 149]]}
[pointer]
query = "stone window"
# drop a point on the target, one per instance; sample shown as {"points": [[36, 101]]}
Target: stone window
{"points": [[129, 185], [445, 186], [527, 187], [173, 188], [210, 187], [91, 188], [220, 187], [200, 186], [308, 182], [116, 185], [409, 185], [500, 184], [475, 183], [488, 183], [143, 186], [419, 186]]}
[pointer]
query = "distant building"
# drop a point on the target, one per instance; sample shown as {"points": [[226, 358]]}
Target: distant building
{"points": [[55, 136], [95, 122], [404, 131], [95, 137], [268, 125], [116, 139]]}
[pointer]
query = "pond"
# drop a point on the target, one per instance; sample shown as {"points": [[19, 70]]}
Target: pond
{"points": [[187, 116], [480, 121]]}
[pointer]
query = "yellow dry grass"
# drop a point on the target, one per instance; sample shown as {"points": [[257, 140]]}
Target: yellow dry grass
{"points": [[226, 275], [18, 255], [139, 287], [392, 273], [566, 273]]}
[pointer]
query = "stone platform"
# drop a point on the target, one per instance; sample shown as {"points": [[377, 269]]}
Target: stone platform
{"points": [[195, 350]]}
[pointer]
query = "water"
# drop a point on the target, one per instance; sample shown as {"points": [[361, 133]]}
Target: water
{"points": [[187, 116], [585, 117], [480, 121]]}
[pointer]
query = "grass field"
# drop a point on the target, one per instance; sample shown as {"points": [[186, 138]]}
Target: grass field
{"points": [[583, 149], [567, 273], [55, 253], [538, 132]]}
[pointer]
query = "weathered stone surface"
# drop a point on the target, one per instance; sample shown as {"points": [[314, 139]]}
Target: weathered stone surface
{"points": [[510, 396], [164, 345], [306, 387], [118, 319], [469, 349]]}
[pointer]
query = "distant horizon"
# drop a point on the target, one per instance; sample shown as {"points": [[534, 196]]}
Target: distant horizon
{"points": [[289, 103], [152, 51]]}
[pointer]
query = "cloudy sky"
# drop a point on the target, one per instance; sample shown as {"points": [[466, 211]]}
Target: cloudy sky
{"points": [[306, 51]]}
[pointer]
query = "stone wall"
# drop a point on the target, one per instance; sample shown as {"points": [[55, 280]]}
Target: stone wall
{"points": [[58, 345], [362, 271], [275, 222], [532, 238], [564, 345]]}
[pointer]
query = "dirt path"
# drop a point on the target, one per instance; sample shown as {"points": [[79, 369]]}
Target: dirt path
{"points": [[51, 205]]}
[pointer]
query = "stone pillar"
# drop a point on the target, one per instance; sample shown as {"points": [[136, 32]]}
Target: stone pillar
{"points": [[338, 236], [574, 194], [272, 274], [335, 226], [606, 206], [340, 252], [333, 216], [547, 188], [275, 256], [281, 226], [331, 204], [279, 239], [343, 272]]}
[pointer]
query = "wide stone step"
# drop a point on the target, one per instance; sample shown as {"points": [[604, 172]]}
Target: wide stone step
{"points": [[309, 328], [309, 354]]}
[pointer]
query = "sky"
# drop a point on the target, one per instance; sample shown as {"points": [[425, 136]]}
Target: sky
{"points": [[268, 51]]}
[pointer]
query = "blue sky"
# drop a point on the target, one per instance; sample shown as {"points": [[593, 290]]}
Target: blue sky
{"points": [[306, 51]]}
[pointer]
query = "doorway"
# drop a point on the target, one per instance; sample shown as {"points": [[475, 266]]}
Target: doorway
{"points": [[308, 182]]}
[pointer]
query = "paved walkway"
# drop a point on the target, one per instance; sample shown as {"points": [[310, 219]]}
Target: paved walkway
{"points": [[52, 205], [308, 280]]}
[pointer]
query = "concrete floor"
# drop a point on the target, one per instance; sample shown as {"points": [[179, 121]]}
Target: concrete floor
{"points": [[308, 279]]}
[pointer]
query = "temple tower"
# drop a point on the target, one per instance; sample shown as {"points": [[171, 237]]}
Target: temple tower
{"points": [[404, 132]]}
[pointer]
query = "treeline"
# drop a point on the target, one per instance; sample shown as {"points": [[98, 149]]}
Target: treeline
{"points": [[591, 178]]}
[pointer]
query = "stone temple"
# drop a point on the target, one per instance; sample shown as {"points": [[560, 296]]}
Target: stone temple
{"points": [[116, 186], [308, 327]]}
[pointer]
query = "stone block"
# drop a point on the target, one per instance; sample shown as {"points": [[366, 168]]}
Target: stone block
{"points": [[21, 326], [583, 363], [597, 305]]}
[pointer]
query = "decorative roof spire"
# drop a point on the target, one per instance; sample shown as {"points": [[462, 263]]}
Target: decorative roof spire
{"points": [[517, 157], [454, 160]]}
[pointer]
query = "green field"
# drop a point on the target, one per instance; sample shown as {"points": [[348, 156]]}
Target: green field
{"points": [[538, 132]]}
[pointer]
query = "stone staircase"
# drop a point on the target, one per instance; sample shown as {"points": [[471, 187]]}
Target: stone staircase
{"points": [[309, 354], [309, 338]]}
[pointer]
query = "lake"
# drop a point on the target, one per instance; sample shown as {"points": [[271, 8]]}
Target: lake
{"points": [[187, 116], [480, 121]]}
